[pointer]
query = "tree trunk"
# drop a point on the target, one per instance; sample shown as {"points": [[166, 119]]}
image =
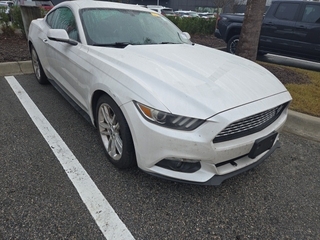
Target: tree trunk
{"points": [[250, 31]]}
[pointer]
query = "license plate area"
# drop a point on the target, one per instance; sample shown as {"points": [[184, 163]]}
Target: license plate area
{"points": [[262, 144]]}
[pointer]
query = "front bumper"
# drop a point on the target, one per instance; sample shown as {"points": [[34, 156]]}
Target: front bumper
{"points": [[218, 179], [217, 161]]}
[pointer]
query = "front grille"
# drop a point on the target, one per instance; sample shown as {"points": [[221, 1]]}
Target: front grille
{"points": [[250, 125]]}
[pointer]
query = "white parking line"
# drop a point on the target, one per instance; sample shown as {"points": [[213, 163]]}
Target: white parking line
{"points": [[104, 215]]}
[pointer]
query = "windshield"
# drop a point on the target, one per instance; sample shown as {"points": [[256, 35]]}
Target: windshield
{"points": [[107, 27]]}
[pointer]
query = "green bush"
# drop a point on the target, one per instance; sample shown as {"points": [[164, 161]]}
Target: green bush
{"points": [[5, 24], [195, 25], [17, 19]]}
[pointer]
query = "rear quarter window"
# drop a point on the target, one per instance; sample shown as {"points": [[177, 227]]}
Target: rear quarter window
{"points": [[311, 14]]}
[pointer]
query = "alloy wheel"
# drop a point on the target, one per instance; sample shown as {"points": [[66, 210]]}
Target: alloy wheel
{"points": [[109, 129], [36, 64], [233, 46]]}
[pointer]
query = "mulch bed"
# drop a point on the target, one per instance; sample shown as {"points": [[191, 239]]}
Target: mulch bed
{"points": [[15, 48], [286, 75]]}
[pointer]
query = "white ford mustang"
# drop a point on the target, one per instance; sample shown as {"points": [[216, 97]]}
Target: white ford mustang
{"points": [[178, 110]]}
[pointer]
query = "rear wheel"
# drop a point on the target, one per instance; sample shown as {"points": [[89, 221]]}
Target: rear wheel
{"points": [[114, 133], [37, 67], [232, 44]]}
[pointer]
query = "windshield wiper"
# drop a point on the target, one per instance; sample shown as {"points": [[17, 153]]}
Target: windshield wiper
{"points": [[116, 44], [168, 43]]}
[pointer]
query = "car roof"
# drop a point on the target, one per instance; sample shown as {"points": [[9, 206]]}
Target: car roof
{"points": [[6, 2]]}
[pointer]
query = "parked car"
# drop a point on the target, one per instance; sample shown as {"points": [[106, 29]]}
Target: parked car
{"points": [[6, 5], [206, 15], [162, 10], [46, 6], [178, 110], [182, 13], [290, 28]]}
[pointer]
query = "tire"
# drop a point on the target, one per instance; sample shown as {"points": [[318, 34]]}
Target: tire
{"points": [[232, 44], [37, 67], [114, 133]]}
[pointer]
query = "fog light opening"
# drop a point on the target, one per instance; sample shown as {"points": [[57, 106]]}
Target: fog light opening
{"points": [[180, 165]]}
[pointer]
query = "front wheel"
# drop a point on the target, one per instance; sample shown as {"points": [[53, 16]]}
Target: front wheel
{"points": [[232, 44], [37, 67], [114, 133]]}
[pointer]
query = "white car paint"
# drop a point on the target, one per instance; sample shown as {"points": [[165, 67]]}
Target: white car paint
{"points": [[200, 75], [183, 79]]}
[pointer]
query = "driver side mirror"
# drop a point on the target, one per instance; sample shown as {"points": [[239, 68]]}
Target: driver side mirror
{"points": [[186, 35], [60, 35]]}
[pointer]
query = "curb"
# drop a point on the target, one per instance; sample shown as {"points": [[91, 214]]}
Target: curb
{"points": [[15, 68], [297, 123], [303, 125]]}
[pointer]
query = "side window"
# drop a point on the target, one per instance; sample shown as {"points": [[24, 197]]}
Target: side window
{"points": [[286, 11], [50, 18], [63, 18], [311, 14]]}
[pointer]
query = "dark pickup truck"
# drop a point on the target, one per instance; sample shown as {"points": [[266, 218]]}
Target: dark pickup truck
{"points": [[290, 28]]}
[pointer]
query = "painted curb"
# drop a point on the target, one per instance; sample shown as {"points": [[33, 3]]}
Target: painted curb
{"points": [[297, 123]]}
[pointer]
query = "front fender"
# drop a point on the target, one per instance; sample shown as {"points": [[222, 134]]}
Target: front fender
{"points": [[232, 29]]}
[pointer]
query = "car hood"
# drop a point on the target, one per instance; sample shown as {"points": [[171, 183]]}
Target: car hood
{"points": [[191, 80]]}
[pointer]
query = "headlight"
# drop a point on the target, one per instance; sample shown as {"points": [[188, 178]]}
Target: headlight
{"points": [[167, 119]]}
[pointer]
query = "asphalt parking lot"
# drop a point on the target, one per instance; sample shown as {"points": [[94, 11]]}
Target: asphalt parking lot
{"points": [[277, 200]]}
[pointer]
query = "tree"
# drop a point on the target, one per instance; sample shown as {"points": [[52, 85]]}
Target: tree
{"points": [[250, 31]]}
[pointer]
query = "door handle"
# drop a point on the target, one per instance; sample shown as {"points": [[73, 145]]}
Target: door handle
{"points": [[268, 24], [302, 27]]}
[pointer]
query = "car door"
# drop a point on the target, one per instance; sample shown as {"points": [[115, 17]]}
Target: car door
{"points": [[307, 32], [66, 61], [277, 30]]}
